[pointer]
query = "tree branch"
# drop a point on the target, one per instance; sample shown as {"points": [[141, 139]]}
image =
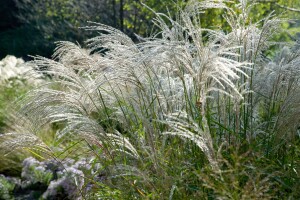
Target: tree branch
{"points": [[287, 8]]}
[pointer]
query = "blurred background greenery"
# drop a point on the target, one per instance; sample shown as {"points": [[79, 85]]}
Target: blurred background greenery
{"points": [[30, 27]]}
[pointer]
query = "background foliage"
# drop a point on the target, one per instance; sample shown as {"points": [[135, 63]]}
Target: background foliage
{"points": [[30, 27]]}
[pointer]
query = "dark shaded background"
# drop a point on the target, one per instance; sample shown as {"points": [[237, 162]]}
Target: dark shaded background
{"points": [[31, 27]]}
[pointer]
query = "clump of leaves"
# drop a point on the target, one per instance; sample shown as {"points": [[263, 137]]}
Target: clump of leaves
{"points": [[6, 188]]}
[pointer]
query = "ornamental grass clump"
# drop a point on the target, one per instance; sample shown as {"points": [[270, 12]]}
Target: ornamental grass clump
{"points": [[155, 113]]}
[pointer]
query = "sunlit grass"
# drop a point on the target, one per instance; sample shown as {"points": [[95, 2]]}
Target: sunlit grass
{"points": [[187, 113]]}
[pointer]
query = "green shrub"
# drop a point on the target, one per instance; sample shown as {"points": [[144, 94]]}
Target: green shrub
{"points": [[6, 188]]}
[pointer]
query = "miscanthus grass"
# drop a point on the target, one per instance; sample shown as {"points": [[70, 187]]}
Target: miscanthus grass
{"points": [[171, 116]]}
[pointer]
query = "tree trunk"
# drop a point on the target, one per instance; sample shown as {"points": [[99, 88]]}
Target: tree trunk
{"points": [[114, 13], [122, 15]]}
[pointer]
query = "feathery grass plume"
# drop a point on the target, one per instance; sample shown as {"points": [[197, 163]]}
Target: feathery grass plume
{"points": [[252, 39], [15, 141], [25, 137], [183, 54], [181, 125], [84, 85], [277, 87], [78, 95]]}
